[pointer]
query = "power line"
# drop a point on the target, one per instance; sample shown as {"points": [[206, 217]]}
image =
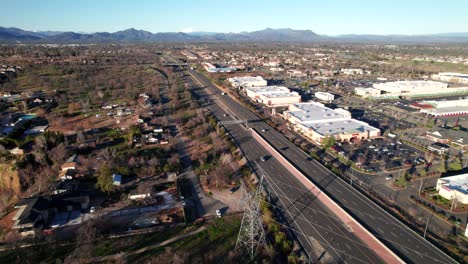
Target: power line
{"points": [[329, 230], [328, 244], [251, 232]]}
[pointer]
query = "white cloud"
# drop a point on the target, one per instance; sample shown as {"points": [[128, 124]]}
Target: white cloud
{"points": [[187, 30]]}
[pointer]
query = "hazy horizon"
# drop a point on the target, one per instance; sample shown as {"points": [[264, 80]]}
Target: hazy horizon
{"points": [[326, 18]]}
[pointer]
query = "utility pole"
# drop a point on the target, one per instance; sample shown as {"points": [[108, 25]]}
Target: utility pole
{"points": [[427, 225], [420, 187], [454, 203]]}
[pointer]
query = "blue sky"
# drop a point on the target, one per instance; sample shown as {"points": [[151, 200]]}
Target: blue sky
{"points": [[331, 17]]}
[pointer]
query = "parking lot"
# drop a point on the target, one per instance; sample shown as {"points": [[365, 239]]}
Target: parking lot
{"points": [[383, 122], [385, 154]]}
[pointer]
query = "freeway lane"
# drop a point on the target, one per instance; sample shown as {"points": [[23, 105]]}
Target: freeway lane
{"points": [[323, 236], [405, 242]]}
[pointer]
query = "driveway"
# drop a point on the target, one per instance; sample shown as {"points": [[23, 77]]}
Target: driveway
{"points": [[205, 205]]}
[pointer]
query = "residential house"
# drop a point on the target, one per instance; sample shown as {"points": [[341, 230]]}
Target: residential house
{"points": [[33, 213]]}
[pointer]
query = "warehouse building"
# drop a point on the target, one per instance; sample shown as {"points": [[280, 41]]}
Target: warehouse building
{"points": [[316, 121], [454, 187], [408, 89], [452, 77], [444, 108], [247, 81]]}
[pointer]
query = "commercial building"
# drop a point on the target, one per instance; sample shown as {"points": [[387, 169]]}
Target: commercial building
{"points": [[449, 136], [408, 89], [317, 122], [366, 92], [325, 96], [247, 81], [279, 99], [212, 68], [438, 148], [255, 92], [454, 188], [444, 108], [452, 77], [273, 96]]}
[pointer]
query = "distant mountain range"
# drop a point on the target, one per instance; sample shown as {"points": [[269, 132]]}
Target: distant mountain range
{"points": [[14, 35]]}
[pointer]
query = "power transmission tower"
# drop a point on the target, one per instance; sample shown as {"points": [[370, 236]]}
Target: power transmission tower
{"points": [[251, 233]]}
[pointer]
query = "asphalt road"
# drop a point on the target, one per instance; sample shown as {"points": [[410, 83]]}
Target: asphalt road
{"points": [[322, 235], [410, 246]]}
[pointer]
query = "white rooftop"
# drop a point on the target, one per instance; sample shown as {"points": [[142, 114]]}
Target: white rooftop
{"points": [[268, 89], [315, 112], [454, 74], [409, 86], [248, 78], [348, 126], [458, 182], [278, 95]]}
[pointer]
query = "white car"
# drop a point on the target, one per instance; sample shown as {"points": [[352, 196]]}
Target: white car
{"points": [[218, 213]]}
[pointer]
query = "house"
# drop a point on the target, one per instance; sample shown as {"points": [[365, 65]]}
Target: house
{"points": [[68, 166], [447, 136], [35, 130], [438, 147], [17, 151], [33, 213], [116, 179], [66, 186], [152, 139], [67, 174]]}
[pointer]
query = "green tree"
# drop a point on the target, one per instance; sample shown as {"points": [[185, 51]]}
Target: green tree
{"points": [[455, 165], [443, 166], [104, 179], [401, 181], [328, 141]]}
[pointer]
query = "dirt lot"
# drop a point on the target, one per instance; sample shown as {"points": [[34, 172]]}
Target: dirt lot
{"points": [[68, 125]]}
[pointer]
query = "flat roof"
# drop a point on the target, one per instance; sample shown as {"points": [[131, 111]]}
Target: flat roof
{"points": [[247, 78], [268, 89], [313, 112], [445, 110], [276, 95], [348, 126], [458, 182]]}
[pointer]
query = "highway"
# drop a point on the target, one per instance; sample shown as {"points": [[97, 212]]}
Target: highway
{"points": [[410, 246], [323, 237]]}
